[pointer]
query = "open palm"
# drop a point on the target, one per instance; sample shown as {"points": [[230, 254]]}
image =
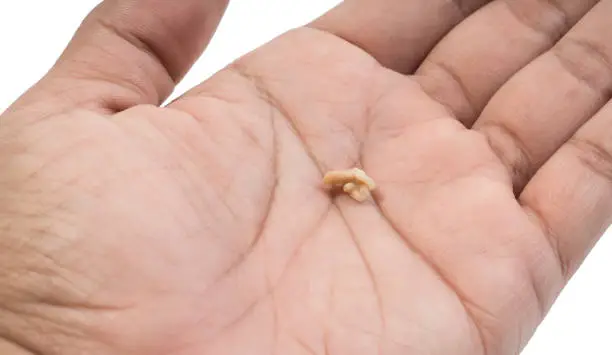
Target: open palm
{"points": [[202, 227]]}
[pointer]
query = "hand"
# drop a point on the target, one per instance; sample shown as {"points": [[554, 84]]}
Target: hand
{"points": [[202, 227]]}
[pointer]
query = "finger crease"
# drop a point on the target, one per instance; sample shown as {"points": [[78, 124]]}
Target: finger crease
{"points": [[142, 45], [511, 151], [551, 33], [593, 156], [462, 91], [575, 55]]}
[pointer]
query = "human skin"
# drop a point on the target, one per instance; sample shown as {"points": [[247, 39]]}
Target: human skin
{"points": [[203, 227]]}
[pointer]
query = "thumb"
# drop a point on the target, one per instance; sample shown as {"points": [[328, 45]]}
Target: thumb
{"points": [[126, 52]]}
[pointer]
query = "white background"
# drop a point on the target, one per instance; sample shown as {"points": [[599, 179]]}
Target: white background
{"points": [[34, 32]]}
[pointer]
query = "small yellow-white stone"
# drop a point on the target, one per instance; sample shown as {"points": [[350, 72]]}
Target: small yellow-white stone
{"points": [[354, 182]]}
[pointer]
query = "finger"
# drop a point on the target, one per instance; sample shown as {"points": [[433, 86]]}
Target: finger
{"points": [[571, 195], [397, 33], [542, 106], [127, 52], [503, 37]]}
